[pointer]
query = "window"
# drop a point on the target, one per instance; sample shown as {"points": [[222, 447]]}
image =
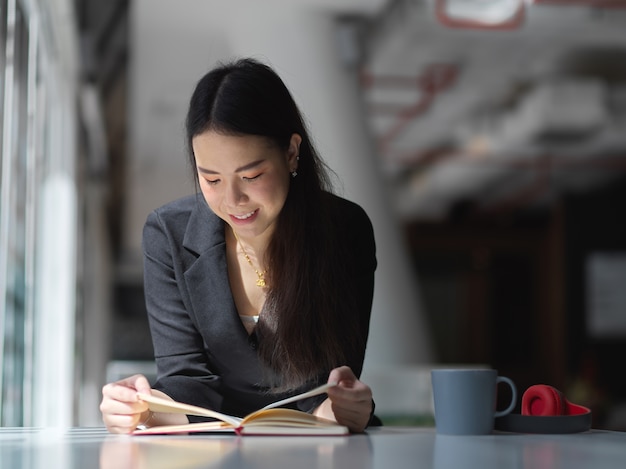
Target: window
{"points": [[13, 211], [36, 143]]}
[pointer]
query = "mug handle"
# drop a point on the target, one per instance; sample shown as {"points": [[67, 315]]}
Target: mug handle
{"points": [[509, 409]]}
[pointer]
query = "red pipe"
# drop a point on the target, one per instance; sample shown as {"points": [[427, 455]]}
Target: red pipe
{"points": [[435, 79]]}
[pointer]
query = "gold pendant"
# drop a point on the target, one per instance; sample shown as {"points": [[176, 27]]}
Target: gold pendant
{"points": [[260, 282]]}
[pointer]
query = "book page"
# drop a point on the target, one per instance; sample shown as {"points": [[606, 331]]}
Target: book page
{"points": [[158, 404], [280, 430], [289, 417], [206, 427], [313, 392], [267, 416]]}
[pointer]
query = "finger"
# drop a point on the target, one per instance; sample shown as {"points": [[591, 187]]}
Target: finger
{"points": [[141, 384], [115, 411], [137, 382], [121, 423], [126, 390], [115, 407], [356, 421], [342, 373], [348, 407], [350, 392]]}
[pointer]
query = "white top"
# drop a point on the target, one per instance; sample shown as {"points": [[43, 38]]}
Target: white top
{"points": [[249, 322]]}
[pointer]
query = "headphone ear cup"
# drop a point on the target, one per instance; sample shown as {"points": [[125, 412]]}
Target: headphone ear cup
{"points": [[542, 400]]}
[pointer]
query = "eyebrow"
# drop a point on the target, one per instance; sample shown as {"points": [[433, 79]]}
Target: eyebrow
{"points": [[245, 167]]}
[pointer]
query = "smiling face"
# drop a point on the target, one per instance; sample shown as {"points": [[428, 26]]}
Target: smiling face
{"points": [[245, 179]]}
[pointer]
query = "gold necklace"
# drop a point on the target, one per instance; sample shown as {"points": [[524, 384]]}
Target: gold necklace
{"points": [[260, 282]]}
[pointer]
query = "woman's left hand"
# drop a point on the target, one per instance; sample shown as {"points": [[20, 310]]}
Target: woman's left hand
{"points": [[349, 403]]}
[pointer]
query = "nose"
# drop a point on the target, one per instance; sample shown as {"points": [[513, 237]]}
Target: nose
{"points": [[235, 194]]}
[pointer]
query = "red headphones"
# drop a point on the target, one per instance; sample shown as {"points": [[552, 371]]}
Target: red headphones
{"points": [[546, 410], [544, 400]]}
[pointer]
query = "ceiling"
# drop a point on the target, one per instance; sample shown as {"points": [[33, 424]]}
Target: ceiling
{"points": [[500, 119]]}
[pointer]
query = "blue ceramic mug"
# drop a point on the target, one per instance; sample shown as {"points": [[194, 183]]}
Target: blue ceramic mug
{"points": [[465, 400]]}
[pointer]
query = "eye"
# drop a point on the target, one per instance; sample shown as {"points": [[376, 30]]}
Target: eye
{"points": [[211, 182], [252, 178]]}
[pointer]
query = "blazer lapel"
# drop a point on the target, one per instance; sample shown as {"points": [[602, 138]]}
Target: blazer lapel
{"points": [[208, 286]]}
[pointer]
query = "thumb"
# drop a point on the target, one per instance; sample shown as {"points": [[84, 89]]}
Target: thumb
{"points": [[342, 374], [142, 385]]}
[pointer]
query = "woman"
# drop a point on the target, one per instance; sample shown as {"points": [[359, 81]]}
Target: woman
{"points": [[261, 288]]}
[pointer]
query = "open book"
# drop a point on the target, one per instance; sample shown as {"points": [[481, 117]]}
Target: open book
{"points": [[267, 421]]}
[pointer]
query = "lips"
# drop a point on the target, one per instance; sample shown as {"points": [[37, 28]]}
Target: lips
{"points": [[244, 217]]}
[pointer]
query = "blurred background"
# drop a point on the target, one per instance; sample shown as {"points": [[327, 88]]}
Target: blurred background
{"points": [[486, 139]]}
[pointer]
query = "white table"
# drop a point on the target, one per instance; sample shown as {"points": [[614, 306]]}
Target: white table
{"points": [[388, 448]]}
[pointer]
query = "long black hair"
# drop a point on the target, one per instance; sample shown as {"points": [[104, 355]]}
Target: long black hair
{"points": [[301, 329]]}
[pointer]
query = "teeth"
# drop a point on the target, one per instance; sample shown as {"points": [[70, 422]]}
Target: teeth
{"points": [[243, 217]]}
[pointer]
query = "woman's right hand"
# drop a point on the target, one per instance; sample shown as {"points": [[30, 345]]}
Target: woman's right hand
{"points": [[122, 411]]}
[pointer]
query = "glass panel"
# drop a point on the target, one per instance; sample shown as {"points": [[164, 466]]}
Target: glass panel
{"points": [[15, 293], [3, 46], [35, 121], [6, 43]]}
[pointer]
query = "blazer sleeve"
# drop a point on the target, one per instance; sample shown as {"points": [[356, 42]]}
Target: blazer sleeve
{"points": [[360, 246], [183, 371]]}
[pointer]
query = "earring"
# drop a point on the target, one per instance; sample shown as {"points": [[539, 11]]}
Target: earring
{"points": [[294, 173]]}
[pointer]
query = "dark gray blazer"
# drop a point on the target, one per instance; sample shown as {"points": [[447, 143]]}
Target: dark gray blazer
{"points": [[203, 353]]}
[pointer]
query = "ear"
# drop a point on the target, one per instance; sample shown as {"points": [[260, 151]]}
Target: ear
{"points": [[293, 152]]}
